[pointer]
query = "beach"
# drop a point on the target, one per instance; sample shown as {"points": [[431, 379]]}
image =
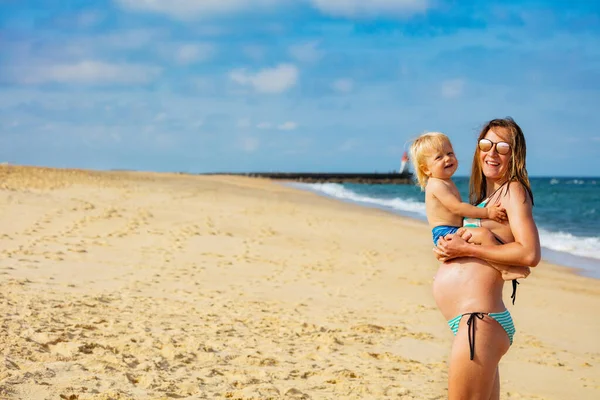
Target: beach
{"points": [[138, 285]]}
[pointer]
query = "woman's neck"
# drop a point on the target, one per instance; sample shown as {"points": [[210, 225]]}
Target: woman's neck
{"points": [[493, 185]]}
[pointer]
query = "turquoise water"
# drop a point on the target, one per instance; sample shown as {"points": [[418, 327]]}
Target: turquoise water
{"points": [[566, 211]]}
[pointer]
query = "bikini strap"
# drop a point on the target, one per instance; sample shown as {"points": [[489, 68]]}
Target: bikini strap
{"points": [[513, 296], [471, 325], [493, 193]]}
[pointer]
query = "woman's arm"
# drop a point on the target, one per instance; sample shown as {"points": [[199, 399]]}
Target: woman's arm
{"points": [[524, 251]]}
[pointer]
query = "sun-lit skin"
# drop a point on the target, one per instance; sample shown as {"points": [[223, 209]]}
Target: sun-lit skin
{"points": [[493, 164], [462, 286], [441, 164]]}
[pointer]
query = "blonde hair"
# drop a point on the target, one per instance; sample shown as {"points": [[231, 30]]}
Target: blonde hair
{"points": [[423, 146], [517, 170]]}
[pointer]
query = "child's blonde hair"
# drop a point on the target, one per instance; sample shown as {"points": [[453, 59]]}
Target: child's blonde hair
{"points": [[420, 148]]}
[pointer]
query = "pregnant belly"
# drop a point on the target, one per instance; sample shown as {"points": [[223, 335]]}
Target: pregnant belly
{"points": [[467, 285]]}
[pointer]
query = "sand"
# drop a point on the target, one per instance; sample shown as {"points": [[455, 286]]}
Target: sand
{"points": [[123, 285]]}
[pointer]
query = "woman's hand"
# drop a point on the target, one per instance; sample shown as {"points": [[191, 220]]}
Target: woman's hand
{"points": [[453, 246]]}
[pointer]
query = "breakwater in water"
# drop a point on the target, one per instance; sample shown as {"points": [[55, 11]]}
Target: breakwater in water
{"points": [[391, 178]]}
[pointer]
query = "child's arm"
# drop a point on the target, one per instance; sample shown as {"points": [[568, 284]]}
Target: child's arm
{"points": [[456, 207]]}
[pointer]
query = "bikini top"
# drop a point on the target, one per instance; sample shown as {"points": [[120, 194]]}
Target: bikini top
{"points": [[476, 222]]}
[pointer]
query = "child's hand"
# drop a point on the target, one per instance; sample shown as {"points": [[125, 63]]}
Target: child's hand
{"points": [[496, 213]]}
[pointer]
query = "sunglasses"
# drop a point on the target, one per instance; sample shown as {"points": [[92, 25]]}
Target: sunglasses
{"points": [[486, 145]]}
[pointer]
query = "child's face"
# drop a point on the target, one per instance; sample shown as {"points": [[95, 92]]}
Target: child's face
{"points": [[441, 163]]}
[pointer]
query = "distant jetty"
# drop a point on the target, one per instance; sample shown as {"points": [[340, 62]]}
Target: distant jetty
{"points": [[400, 177], [390, 178]]}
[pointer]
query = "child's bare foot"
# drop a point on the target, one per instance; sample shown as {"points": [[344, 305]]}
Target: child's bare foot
{"points": [[516, 273]]}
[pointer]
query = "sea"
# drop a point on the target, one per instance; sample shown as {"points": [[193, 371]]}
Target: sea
{"points": [[566, 211]]}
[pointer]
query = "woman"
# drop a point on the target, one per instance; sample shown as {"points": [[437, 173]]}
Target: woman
{"points": [[466, 289]]}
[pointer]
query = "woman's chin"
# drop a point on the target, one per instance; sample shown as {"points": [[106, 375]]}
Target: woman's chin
{"points": [[493, 173]]}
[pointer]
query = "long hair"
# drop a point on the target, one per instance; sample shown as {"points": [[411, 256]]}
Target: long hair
{"points": [[517, 170], [420, 148]]}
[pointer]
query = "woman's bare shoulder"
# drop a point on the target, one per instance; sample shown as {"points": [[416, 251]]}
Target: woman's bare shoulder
{"points": [[517, 193]]}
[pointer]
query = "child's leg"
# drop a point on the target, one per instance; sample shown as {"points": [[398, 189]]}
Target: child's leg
{"points": [[485, 237], [482, 236]]}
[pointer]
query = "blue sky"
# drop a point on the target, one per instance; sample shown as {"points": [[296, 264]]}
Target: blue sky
{"points": [[294, 85]]}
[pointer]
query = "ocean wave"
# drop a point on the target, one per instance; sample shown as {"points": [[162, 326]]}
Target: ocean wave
{"points": [[558, 241], [339, 191], [576, 181], [568, 243]]}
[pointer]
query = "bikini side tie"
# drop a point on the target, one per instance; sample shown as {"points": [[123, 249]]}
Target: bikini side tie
{"points": [[471, 325], [513, 296]]}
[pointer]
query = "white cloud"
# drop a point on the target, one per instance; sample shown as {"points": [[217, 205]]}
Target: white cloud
{"points": [[85, 72], [343, 85], [249, 144], [189, 9], [186, 9], [211, 30], [349, 145], [244, 123], [89, 18], [68, 49], [160, 117], [287, 126], [190, 53], [268, 80], [264, 125], [306, 52], [370, 8], [203, 84], [124, 39], [164, 140], [80, 19], [452, 88], [255, 52]]}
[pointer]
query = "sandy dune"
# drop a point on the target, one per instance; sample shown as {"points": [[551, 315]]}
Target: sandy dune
{"points": [[158, 286]]}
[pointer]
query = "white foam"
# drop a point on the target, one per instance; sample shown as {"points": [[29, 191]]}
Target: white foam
{"points": [[558, 241], [338, 191], [568, 243]]}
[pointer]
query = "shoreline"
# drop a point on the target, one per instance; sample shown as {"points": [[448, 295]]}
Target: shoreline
{"points": [[583, 266], [148, 285]]}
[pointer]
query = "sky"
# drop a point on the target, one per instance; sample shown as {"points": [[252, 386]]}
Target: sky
{"points": [[294, 85]]}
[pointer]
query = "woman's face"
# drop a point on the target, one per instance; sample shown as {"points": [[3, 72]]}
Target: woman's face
{"points": [[493, 164]]}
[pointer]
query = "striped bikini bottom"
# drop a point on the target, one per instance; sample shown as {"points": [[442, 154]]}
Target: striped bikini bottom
{"points": [[503, 318]]}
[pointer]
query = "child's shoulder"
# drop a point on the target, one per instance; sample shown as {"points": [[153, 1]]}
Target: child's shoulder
{"points": [[436, 183]]}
